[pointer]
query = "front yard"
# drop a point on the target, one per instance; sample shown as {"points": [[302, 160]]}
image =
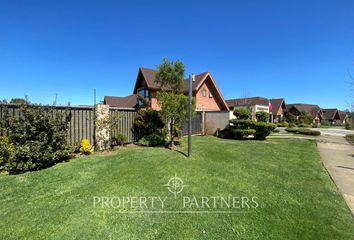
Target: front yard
{"points": [[297, 199]]}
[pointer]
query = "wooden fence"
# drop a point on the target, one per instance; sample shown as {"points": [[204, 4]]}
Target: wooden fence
{"points": [[81, 122]]}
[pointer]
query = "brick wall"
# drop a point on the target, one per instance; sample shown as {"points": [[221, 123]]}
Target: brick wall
{"points": [[206, 102]]}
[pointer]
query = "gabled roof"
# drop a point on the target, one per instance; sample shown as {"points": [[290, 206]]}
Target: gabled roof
{"points": [[122, 102], [312, 109], [331, 113], [277, 103], [239, 102], [149, 76], [342, 115]]}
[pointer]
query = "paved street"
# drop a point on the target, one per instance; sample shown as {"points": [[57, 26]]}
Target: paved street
{"points": [[334, 131]]}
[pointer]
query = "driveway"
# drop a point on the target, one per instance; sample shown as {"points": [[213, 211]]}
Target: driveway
{"points": [[340, 132], [338, 158]]}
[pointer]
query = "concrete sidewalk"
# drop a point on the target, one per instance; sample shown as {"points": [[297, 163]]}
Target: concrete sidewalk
{"points": [[338, 158]]}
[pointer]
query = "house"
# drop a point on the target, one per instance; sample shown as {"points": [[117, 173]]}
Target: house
{"points": [[313, 110], [122, 102], [331, 115], [343, 116], [256, 104], [207, 95], [278, 106]]}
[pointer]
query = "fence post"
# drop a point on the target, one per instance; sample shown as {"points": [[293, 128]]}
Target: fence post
{"points": [[102, 128]]}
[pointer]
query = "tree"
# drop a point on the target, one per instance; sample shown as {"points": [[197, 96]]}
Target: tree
{"points": [[305, 118], [289, 117], [172, 101], [19, 101]]}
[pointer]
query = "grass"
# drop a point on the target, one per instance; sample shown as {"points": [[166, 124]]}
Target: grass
{"points": [[297, 199]]}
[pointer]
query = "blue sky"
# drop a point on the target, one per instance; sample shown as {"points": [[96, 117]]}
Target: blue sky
{"points": [[300, 50]]}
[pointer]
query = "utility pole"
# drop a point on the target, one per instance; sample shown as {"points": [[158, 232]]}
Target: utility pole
{"points": [[190, 106]]}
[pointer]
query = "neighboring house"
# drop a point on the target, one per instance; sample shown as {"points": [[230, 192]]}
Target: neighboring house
{"points": [[256, 104], [121, 102], [207, 95], [342, 117], [278, 109], [331, 115], [314, 111]]}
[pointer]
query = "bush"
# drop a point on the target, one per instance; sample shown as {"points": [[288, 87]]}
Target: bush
{"points": [[303, 131], [263, 130], [6, 150], [276, 131], [348, 124], [262, 116], [242, 124], [350, 138], [241, 133], [308, 132], [86, 147], [150, 128], [292, 125], [291, 129], [154, 139], [304, 125], [243, 113], [120, 139], [285, 124], [147, 122], [38, 138]]}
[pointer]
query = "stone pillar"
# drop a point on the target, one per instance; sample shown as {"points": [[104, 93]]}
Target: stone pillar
{"points": [[102, 133]]}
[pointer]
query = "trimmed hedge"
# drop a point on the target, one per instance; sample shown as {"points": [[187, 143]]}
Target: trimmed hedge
{"points": [[263, 130], [304, 131], [241, 133]]}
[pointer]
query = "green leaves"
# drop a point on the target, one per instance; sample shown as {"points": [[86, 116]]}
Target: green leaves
{"points": [[170, 75]]}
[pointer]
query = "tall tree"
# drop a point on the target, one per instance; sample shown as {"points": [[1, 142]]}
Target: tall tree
{"points": [[173, 103]]}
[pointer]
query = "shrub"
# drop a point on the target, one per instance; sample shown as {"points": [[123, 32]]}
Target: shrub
{"points": [[305, 118], [348, 124], [289, 117], [263, 130], [6, 150], [291, 129], [38, 137], [120, 139], [292, 125], [86, 147], [304, 125], [242, 124], [148, 122], [241, 133], [308, 132], [350, 138], [154, 139], [303, 131], [262, 116], [243, 113], [276, 131]]}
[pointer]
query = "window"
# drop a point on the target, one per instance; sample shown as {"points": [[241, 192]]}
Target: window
{"points": [[203, 93], [210, 95]]}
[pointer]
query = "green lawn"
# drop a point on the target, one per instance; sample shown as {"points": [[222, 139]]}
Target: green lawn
{"points": [[297, 199]]}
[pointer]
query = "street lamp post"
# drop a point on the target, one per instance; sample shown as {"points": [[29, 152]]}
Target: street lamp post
{"points": [[190, 106]]}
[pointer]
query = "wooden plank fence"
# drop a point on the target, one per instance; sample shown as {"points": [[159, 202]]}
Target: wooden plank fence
{"points": [[81, 122]]}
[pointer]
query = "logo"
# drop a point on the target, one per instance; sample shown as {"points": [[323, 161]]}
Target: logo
{"points": [[175, 185]]}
